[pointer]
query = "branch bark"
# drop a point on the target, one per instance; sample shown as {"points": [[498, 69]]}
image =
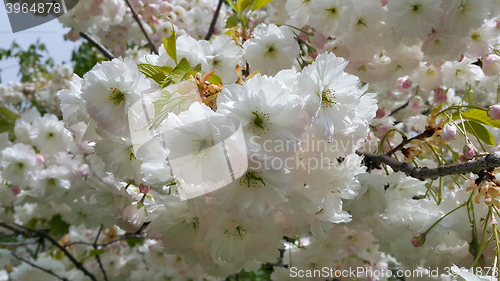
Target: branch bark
{"points": [[39, 267], [488, 162], [98, 45], [425, 134], [97, 256], [37, 233], [136, 17], [214, 21]]}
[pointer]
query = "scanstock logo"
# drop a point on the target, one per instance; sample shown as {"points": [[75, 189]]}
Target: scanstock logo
{"points": [[25, 14], [204, 155]]}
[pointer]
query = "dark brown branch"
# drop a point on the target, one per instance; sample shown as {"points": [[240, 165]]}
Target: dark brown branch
{"points": [[400, 108], [98, 45], [97, 256], [211, 29], [107, 243], [425, 134], [37, 233], [136, 17], [490, 161], [39, 267]]}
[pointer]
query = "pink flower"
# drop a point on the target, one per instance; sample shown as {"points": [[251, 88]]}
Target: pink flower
{"points": [[468, 151]]}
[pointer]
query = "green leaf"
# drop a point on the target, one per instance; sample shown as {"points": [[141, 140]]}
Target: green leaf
{"points": [[32, 223], [96, 252], [58, 226], [243, 4], [231, 4], [479, 116], [6, 125], [183, 70], [214, 79], [480, 131], [170, 45], [232, 21], [161, 74], [7, 113], [133, 242], [259, 4]]}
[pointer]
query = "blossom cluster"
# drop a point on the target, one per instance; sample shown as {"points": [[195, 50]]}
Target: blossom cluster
{"points": [[255, 146]]}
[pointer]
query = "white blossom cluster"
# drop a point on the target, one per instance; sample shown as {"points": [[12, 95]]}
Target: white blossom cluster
{"points": [[255, 146]]}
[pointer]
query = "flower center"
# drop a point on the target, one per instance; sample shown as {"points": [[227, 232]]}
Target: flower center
{"points": [[464, 8], [116, 96], [416, 8], [237, 233], [476, 36], [271, 51], [259, 123], [252, 180], [328, 98], [332, 11]]}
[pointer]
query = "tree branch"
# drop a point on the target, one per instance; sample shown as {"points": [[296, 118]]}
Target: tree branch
{"points": [[39, 267], [425, 134], [98, 45], [97, 256], [400, 108], [136, 17], [107, 243], [488, 162], [38, 233], [214, 21]]}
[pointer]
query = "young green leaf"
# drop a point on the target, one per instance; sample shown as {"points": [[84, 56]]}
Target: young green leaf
{"points": [[480, 131], [480, 116], [183, 70], [231, 4], [243, 4], [58, 226], [232, 21], [158, 73], [214, 79], [96, 252], [259, 4], [170, 45]]}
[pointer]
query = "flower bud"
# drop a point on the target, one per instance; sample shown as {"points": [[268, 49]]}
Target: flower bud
{"points": [[132, 217], [448, 132], [16, 189], [40, 159], [419, 239], [380, 113], [143, 188], [416, 104], [440, 96], [491, 65], [468, 151], [494, 112], [403, 83]]}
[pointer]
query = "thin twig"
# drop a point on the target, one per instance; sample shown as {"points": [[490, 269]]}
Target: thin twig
{"points": [[15, 244], [97, 256], [490, 161], [400, 108], [136, 17], [425, 134], [214, 21], [98, 45], [39, 267], [57, 245], [107, 243]]}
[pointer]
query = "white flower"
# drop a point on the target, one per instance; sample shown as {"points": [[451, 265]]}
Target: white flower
{"points": [[49, 135], [53, 182], [73, 106], [457, 74], [222, 56], [111, 88], [463, 15], [132, 217], [5, 257], [271, 49], [428, 77], [266, 109], [119, 158], [297, 9], [328, 16], [19, 164], [414, 18], [440, 46], [333, 95]]}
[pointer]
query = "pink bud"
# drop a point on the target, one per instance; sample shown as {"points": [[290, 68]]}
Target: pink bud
{"points": [[468, 151], [440, 96], [303, 36], [83, 170], [380, 113], [131, 218], [419, 239], [494, 112], [16, 189], [318, 40], [416, 104], [498, 24], [491, 65], [403, 83], [143, 188], [314, 55], [40, 159], [448, 132], [384, 2], [73, 35]]}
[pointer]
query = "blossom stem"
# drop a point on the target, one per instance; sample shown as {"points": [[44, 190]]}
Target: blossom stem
{"points": [[495, 231]]}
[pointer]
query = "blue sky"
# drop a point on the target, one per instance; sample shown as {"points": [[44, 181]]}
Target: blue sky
{"points": [[50, 33]]}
